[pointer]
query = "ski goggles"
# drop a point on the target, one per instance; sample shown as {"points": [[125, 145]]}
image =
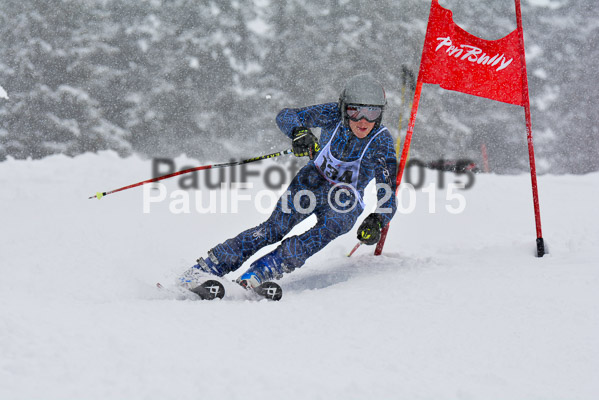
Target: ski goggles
{"points": [[356, 112]]}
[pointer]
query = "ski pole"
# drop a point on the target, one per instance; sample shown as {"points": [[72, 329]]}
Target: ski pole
{"points": [[99, 195], [354, 249]]}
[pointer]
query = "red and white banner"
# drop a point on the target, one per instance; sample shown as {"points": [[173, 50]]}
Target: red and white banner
{"points": [[457, 60], [494, 69]]}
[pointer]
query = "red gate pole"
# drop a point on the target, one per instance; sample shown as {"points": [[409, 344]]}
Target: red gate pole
{"points": [[531, 152]]}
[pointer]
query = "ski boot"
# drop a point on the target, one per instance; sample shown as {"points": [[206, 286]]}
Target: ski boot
{"points": [[258, 276], [204, 269]]}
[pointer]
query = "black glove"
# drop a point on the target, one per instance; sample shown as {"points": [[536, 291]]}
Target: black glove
{"points": [[370, 230], [304, 142]]}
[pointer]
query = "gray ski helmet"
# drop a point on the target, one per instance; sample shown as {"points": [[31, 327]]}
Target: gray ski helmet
{"points": [[362, 89]]}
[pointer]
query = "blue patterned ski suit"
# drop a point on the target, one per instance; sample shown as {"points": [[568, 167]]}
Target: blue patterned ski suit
{"points": [[311, 189]]}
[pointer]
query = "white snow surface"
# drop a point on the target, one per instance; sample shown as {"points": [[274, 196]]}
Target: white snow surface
{"points": [[458, 307]]}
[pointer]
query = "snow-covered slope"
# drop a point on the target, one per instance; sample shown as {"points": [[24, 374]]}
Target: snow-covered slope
{"points": [[456, 308]]}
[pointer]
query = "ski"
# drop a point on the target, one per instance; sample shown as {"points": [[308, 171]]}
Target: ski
{"points": [[208, 290], [213, 289], [270, 291]]}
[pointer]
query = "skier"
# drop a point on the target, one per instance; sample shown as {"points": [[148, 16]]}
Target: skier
{"points": [[353, 149]]}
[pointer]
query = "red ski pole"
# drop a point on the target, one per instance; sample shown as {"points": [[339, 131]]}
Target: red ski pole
{"points": [[99, 195]]}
